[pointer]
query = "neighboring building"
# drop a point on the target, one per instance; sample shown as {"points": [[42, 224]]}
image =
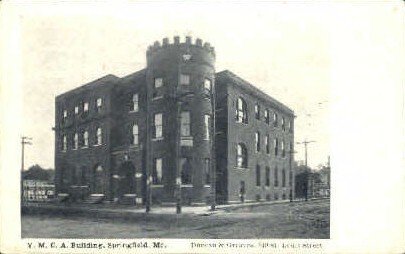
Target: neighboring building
{"points": [[121, 137]]}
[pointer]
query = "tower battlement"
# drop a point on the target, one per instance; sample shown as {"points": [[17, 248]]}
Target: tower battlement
{"points": [[188, 42]]}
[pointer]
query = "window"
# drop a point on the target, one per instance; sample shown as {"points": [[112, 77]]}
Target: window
{"points": [[135, 135], [283, 178], [157, 171], [99, 104], [282, 149], [257, 141], [207, 121], [290, 128], [158, 82], [99, 136], [135, 103], [241, 111], [275, 119], [186, 173], [64, 116], [257, 175], [267, 176], [85, 139], [241, 156], [158, 126], [184, 79], [275, 146], [185, 124], [158, 93], [276, 177], [85, 107], [75, 141], [207, 84], [64, 143], [76, 110], [283, 123], [257, 111], [267, 142], [207, 170], [266, 116]]}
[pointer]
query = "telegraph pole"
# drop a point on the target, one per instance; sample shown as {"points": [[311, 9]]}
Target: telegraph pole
{"points": [[24, 141], [305, 143]]}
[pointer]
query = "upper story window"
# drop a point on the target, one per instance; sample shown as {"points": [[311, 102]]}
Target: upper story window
{"points": [[184, 79], [275, 119], [185, 124], [241, 156], [158, 93], [267, 116], [207, 124], [85, 107], [283, 123], [64, 115], [257, 111], [207, 84], [76, 141], [135, 134], [76, 110], [282, 149], [85, 139], [158, 125], [64, 143], [257, 141], [135, 102], [186, 171], [258, 180], [99, 104], [99, 136], [158, 82], [267, 176], [290, 128], [241, 111], [157, 173], [275, 146], [267, 143]]}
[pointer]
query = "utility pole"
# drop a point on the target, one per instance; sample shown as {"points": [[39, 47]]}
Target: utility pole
{"points": [[24, 141], [305, 143]]}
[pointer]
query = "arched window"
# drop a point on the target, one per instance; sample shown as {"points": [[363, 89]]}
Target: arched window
{"points": [[85, 139], [275, 146], [275, 119], [257, 141], [76, 141], [135, 134], [99, 136], [135, 102], [282, 148], [241, 111], [241, 156]]}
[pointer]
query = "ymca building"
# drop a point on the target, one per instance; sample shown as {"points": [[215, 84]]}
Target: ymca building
{"points": [[176, 129]]}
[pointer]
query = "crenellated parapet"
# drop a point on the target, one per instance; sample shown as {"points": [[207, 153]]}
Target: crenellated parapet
{"points": [[187, 44]]}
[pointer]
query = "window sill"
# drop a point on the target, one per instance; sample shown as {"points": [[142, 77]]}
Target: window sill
{"points": [[84, 147], [186, 185], [239, 168], [207, 186], [157, 186], [63, 151], [157, 98], [98, 145], [74, 149], [133, 111], [157, 139]]}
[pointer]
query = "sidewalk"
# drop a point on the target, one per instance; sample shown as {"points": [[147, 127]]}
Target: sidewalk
{"points": [[128, 212]]}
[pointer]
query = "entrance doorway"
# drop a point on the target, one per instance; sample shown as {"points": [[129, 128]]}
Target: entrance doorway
{"points": [[126, 179]]}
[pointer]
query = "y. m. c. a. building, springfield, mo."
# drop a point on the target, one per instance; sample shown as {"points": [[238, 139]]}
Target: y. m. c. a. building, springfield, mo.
{"points": [[176, 128]]}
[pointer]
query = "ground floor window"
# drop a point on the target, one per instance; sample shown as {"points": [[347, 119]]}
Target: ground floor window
{"points": [[186, 171], [157, 171]]}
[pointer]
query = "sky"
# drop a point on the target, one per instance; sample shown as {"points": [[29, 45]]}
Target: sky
{"points": [[283, 49]]}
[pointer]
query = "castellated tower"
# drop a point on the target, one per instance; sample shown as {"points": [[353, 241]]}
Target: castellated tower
{"points": [[180, 78]]}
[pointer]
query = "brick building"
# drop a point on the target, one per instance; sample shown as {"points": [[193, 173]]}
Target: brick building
{"points": [[149, 136]]}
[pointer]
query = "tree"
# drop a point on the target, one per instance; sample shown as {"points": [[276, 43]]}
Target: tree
{"points": [[36, 172]]}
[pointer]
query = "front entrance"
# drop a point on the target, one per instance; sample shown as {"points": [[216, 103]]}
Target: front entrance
{"points": [[98, 180], [126, 179]]}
